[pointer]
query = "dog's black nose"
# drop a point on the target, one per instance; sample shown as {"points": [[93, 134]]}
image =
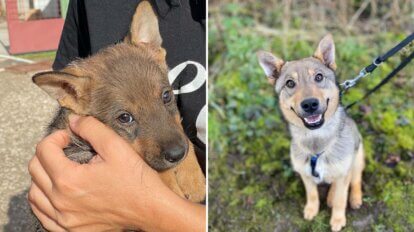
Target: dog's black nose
{"points": [[174, 153], [310, 105]]}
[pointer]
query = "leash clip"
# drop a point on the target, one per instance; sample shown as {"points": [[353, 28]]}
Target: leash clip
{"points": [[351, 82]]}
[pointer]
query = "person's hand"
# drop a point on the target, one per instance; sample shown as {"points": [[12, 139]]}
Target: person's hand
{"points": [[117, 190]]}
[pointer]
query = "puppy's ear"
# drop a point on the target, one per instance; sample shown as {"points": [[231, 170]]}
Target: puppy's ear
{"points": [[271, 65], [69, 90], [144, 26], [326, 51], [145, 31]]}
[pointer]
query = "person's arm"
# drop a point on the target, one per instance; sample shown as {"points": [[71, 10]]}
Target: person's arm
{"points": [[116, 190]]}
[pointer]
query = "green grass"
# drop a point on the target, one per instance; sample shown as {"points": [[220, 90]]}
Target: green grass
{"points": [[252, 186], [36, 56]]}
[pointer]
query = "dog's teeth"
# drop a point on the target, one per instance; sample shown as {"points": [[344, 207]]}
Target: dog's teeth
{"points": [[313, 119]]}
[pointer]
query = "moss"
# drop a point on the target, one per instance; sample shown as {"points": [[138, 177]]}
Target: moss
{"points": [[48, 55], [398, 199]]}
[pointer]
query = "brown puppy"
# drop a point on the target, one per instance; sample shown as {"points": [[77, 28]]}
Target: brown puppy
{"points": [[126, 87], [326, 145]]}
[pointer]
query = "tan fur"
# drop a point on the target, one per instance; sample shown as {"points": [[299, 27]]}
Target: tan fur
{"points": [[311, 71], [333, 103], [186, 179], [330, 196], [287, 112], [355, 198], [312, 198], [144, 26], [66, 89], [339, 201]]}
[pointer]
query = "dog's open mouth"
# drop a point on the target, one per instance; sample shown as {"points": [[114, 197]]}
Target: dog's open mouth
{"points": [[314, 121]]}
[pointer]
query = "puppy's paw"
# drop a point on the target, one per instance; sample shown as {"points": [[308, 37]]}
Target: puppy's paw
{"points": [[196, 191], [337, 223], [355, 201], [310, 211], [191, 179]]}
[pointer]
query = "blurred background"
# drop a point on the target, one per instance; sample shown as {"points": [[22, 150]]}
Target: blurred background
{"points": [[29, 36], [252, 186], [30, 32]]}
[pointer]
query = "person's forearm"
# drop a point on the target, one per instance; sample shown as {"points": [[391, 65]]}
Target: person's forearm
{"points": [[169, 212]]}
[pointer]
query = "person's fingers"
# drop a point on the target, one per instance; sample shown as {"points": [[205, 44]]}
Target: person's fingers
{"points": [[50, 153], [39, 199], [47, 223], [104, 140], [39, 175]]}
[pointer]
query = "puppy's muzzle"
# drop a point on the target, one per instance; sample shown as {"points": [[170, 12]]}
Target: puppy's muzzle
{"points": [[174, 153]]}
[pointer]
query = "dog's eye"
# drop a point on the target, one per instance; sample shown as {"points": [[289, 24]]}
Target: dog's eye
{"points": [[125, 118], [166, 96], [318, 77], [290, 84]]}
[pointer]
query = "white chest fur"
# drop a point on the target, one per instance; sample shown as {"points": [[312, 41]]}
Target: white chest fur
{"points": [[327, 171]]}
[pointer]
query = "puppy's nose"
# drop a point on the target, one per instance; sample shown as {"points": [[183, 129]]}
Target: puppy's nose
{"points": [[310, 105], [174, 153]]}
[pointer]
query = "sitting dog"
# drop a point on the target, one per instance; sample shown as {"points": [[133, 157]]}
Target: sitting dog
{"points": [[326, 145], [126, 87]]}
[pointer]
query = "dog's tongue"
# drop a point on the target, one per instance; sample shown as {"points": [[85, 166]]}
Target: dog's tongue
{"points": [[313, 118]]}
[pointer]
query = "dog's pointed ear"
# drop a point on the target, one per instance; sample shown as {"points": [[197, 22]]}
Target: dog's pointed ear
{"points": [[144, 26], [69, 90], [271, 65], [326, 51]]}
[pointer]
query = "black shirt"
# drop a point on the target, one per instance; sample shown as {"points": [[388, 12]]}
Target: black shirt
{"points": [[95, 24]]}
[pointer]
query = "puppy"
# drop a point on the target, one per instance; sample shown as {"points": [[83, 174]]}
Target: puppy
{"points": [[326, 145], [126, 87]]}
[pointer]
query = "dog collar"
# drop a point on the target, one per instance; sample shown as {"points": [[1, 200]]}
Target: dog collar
{"points": [[313, 161]]}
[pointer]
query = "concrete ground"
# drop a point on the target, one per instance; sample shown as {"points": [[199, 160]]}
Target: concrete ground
{"points": [[25, 111]]}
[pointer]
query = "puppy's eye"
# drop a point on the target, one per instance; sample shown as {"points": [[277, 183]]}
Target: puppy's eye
{"points": [[318, 77], [290, 84], [166, 96], [125, 118]]}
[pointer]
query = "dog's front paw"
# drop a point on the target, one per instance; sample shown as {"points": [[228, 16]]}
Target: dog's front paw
{"points": [[193, 188], [337, 223], [355, 201], [190, 178], [310, 211]]}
